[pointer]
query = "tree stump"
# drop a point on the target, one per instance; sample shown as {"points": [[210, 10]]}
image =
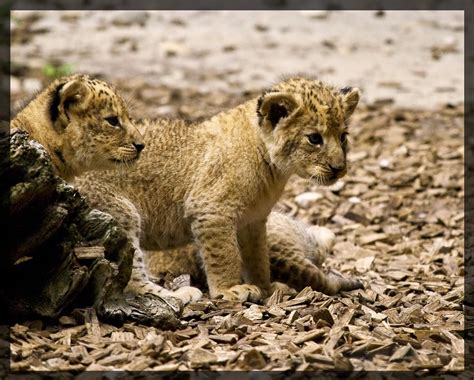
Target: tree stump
{"points": [[61, 253]]}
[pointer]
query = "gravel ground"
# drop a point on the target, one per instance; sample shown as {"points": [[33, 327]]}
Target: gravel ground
{"points": [[398, 215]]}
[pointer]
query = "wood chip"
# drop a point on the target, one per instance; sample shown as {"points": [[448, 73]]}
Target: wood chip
{"points": [[89, 253], [309, 336], [201, 358], [92, 324], [401, 353], [224, 338]]}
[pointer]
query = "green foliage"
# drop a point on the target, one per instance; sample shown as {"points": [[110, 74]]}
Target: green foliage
{"points": [[52, 71]]}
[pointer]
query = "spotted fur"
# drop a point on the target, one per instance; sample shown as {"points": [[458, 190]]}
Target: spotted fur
{"points": [[216, 182]]}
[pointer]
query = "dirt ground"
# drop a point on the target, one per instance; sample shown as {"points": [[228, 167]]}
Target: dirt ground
{"points": [[398, 214], [415, 58]]}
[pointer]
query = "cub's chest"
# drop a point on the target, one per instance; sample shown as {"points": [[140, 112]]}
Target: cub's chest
{"points": [[261, 205]]}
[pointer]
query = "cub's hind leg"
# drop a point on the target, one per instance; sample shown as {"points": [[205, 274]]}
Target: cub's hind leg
{"points": [[287, 234], [295, 250], [175, 262], [298, 272]]}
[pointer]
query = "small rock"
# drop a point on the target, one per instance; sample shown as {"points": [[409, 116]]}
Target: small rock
{"points": [[338, 186], [292, 317], [261, 27], [94, 367], [253, 313], [228, 48], [165, 110], [354, 200], [339, 219], [172, 48], [385, 164], [276, 311], [396, 275], [401, 151], [305, 200], [166, 367], [357, 156], [31, 85], [15, 85]]}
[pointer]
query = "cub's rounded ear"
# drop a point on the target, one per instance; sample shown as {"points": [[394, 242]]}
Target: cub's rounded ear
{"points": [[274, 106], [74, 95], [350, 99]]}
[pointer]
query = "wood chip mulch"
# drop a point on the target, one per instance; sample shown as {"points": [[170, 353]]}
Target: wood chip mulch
{"points": [[398, 217]]}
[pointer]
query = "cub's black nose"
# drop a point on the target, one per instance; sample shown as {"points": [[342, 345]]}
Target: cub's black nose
{"points": [[336, 169], [139, 147]]}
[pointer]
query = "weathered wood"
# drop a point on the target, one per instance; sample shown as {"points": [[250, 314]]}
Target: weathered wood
{"points": [[63, 254], [89, 253]]}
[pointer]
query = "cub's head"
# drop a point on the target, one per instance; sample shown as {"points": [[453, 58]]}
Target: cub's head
{"points": [[305, 127], [93, 124]]}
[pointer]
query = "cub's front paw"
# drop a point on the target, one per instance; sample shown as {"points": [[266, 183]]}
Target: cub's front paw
{"points": [[240, 293], [285, 289], [187, 294]]}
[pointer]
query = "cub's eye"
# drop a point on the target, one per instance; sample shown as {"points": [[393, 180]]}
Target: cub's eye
{"points": [[315, 139], [113, 121], [344, 137]]}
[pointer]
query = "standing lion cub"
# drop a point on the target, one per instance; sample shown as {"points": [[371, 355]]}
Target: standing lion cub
{"points": [[216, 182]]}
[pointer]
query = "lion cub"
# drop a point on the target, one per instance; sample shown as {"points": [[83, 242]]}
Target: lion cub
{"points": [[216, 182], [83, 123]]}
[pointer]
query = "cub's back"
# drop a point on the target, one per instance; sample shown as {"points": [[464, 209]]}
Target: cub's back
{"points": [[161, 162]]}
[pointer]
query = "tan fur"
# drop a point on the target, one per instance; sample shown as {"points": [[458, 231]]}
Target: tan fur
{"points": [[296, 252], [69, 118], [216, 182]]}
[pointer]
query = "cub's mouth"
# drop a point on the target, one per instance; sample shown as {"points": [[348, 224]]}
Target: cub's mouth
{"points": [[329, 180], [125, 156], [125, 160]]}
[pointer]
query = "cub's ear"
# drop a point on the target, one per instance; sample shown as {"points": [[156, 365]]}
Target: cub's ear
{"points": [[69, 97], [350, 99], [74, 95], [274, 106]]}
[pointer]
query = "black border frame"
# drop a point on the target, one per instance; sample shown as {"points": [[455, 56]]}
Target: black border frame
{"points": [[442, 5]]}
